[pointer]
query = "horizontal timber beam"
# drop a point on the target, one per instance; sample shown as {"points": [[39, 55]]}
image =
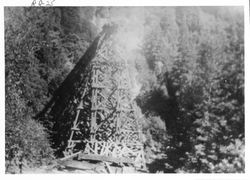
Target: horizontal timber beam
{"points": [[104, 158]]}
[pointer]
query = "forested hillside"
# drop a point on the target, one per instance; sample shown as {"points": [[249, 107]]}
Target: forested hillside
{"points": [[187, 71]]}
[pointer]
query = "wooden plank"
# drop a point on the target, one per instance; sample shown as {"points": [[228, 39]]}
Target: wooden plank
{"points": [[74, 141], [90, 149], [96, 147], [107, 148], [71, 156], [80, 106], [123, 151], [108, 168], [103, 148], [104, 158], [75, 128], [72, 145], [83, 165], [98, 86]]}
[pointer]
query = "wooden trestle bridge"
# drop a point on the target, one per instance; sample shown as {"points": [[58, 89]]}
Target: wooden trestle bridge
{"points": [[102, 115]]}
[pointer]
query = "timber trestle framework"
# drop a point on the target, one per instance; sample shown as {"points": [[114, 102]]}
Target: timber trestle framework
{"points": [[106, 125]]}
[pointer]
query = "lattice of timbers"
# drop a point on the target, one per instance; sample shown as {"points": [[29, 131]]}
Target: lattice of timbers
{"points": [[106, 122]]}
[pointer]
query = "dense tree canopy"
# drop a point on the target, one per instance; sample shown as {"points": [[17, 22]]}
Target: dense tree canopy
{"points": [[188, 64]]}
